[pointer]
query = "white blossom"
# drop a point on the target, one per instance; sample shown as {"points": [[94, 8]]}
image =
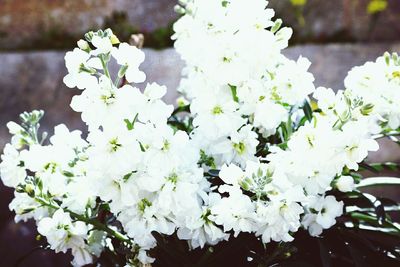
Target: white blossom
{"points": [[345, 183], [322, 214], [12, 169], [79, 65], [130, 57], [63, 234]]}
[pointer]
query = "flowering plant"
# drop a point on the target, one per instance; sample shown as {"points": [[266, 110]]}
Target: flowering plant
{"points": [[244, 167]]}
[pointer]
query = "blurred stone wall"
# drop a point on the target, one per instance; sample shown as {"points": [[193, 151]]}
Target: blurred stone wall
{"points": [[37, 23], [26, 23], [340, 20]]}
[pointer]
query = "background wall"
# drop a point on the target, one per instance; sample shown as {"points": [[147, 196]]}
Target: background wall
{"points": [[34, 35]]}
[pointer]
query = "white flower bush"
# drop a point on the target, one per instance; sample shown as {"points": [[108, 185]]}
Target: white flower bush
{"points": [[256, 155]]}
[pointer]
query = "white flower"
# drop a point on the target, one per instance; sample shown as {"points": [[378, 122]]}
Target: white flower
{"points": [[14, 128], [105, 105], [355, 144], [154, 109], [235, 212], [130, 58], [103, 45], [27, 208], [80, 66], [345, 183], [18, 139], [12, 169], [63, 234], [80, 195], [144, 218], [231, 174], [322, 214], [114, 152], [277, 220], [82, 256], [378, 83], [292, 82], [269, 116], [70, 140], [244, 144], [326, 99], [198, 227], [144, 258], [216, 114]]}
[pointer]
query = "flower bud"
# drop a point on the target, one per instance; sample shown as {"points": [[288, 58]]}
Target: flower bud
{"points": [[84, 45], [180, 10], [367, 109], [30, 190], [277, 26], [345, 184], [89, 36], [387, 57]]}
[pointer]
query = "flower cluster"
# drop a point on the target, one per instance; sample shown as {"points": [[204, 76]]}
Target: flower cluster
{"points": [[245, 95], [131, 161], [255, 155], [237, 80], [378, 83]]}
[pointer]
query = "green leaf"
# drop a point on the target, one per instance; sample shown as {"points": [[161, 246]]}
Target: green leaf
{"points": [[122, 71], [373, 221], [308, 111], [378, 181], [225, 3], [378, 167], [234, 93], [131, 124]]}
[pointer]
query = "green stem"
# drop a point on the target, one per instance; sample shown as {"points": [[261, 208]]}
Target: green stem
{"points": [[98, 225], [379, 181], [372, 220], [387, 134], [117, 81], [105, 67]]}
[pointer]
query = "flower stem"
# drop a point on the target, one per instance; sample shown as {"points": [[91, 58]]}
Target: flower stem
{"points": [[98, 225], [105, 67]]}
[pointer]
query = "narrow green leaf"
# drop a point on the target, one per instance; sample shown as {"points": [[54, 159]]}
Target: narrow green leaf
{"points": [[234, 93], [307, 111], [378, 181]]}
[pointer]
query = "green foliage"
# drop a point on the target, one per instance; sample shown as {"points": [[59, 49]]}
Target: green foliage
{"points": [[159, 38], [376, 6], [373, 7], [298, 2], [339, 246]]}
